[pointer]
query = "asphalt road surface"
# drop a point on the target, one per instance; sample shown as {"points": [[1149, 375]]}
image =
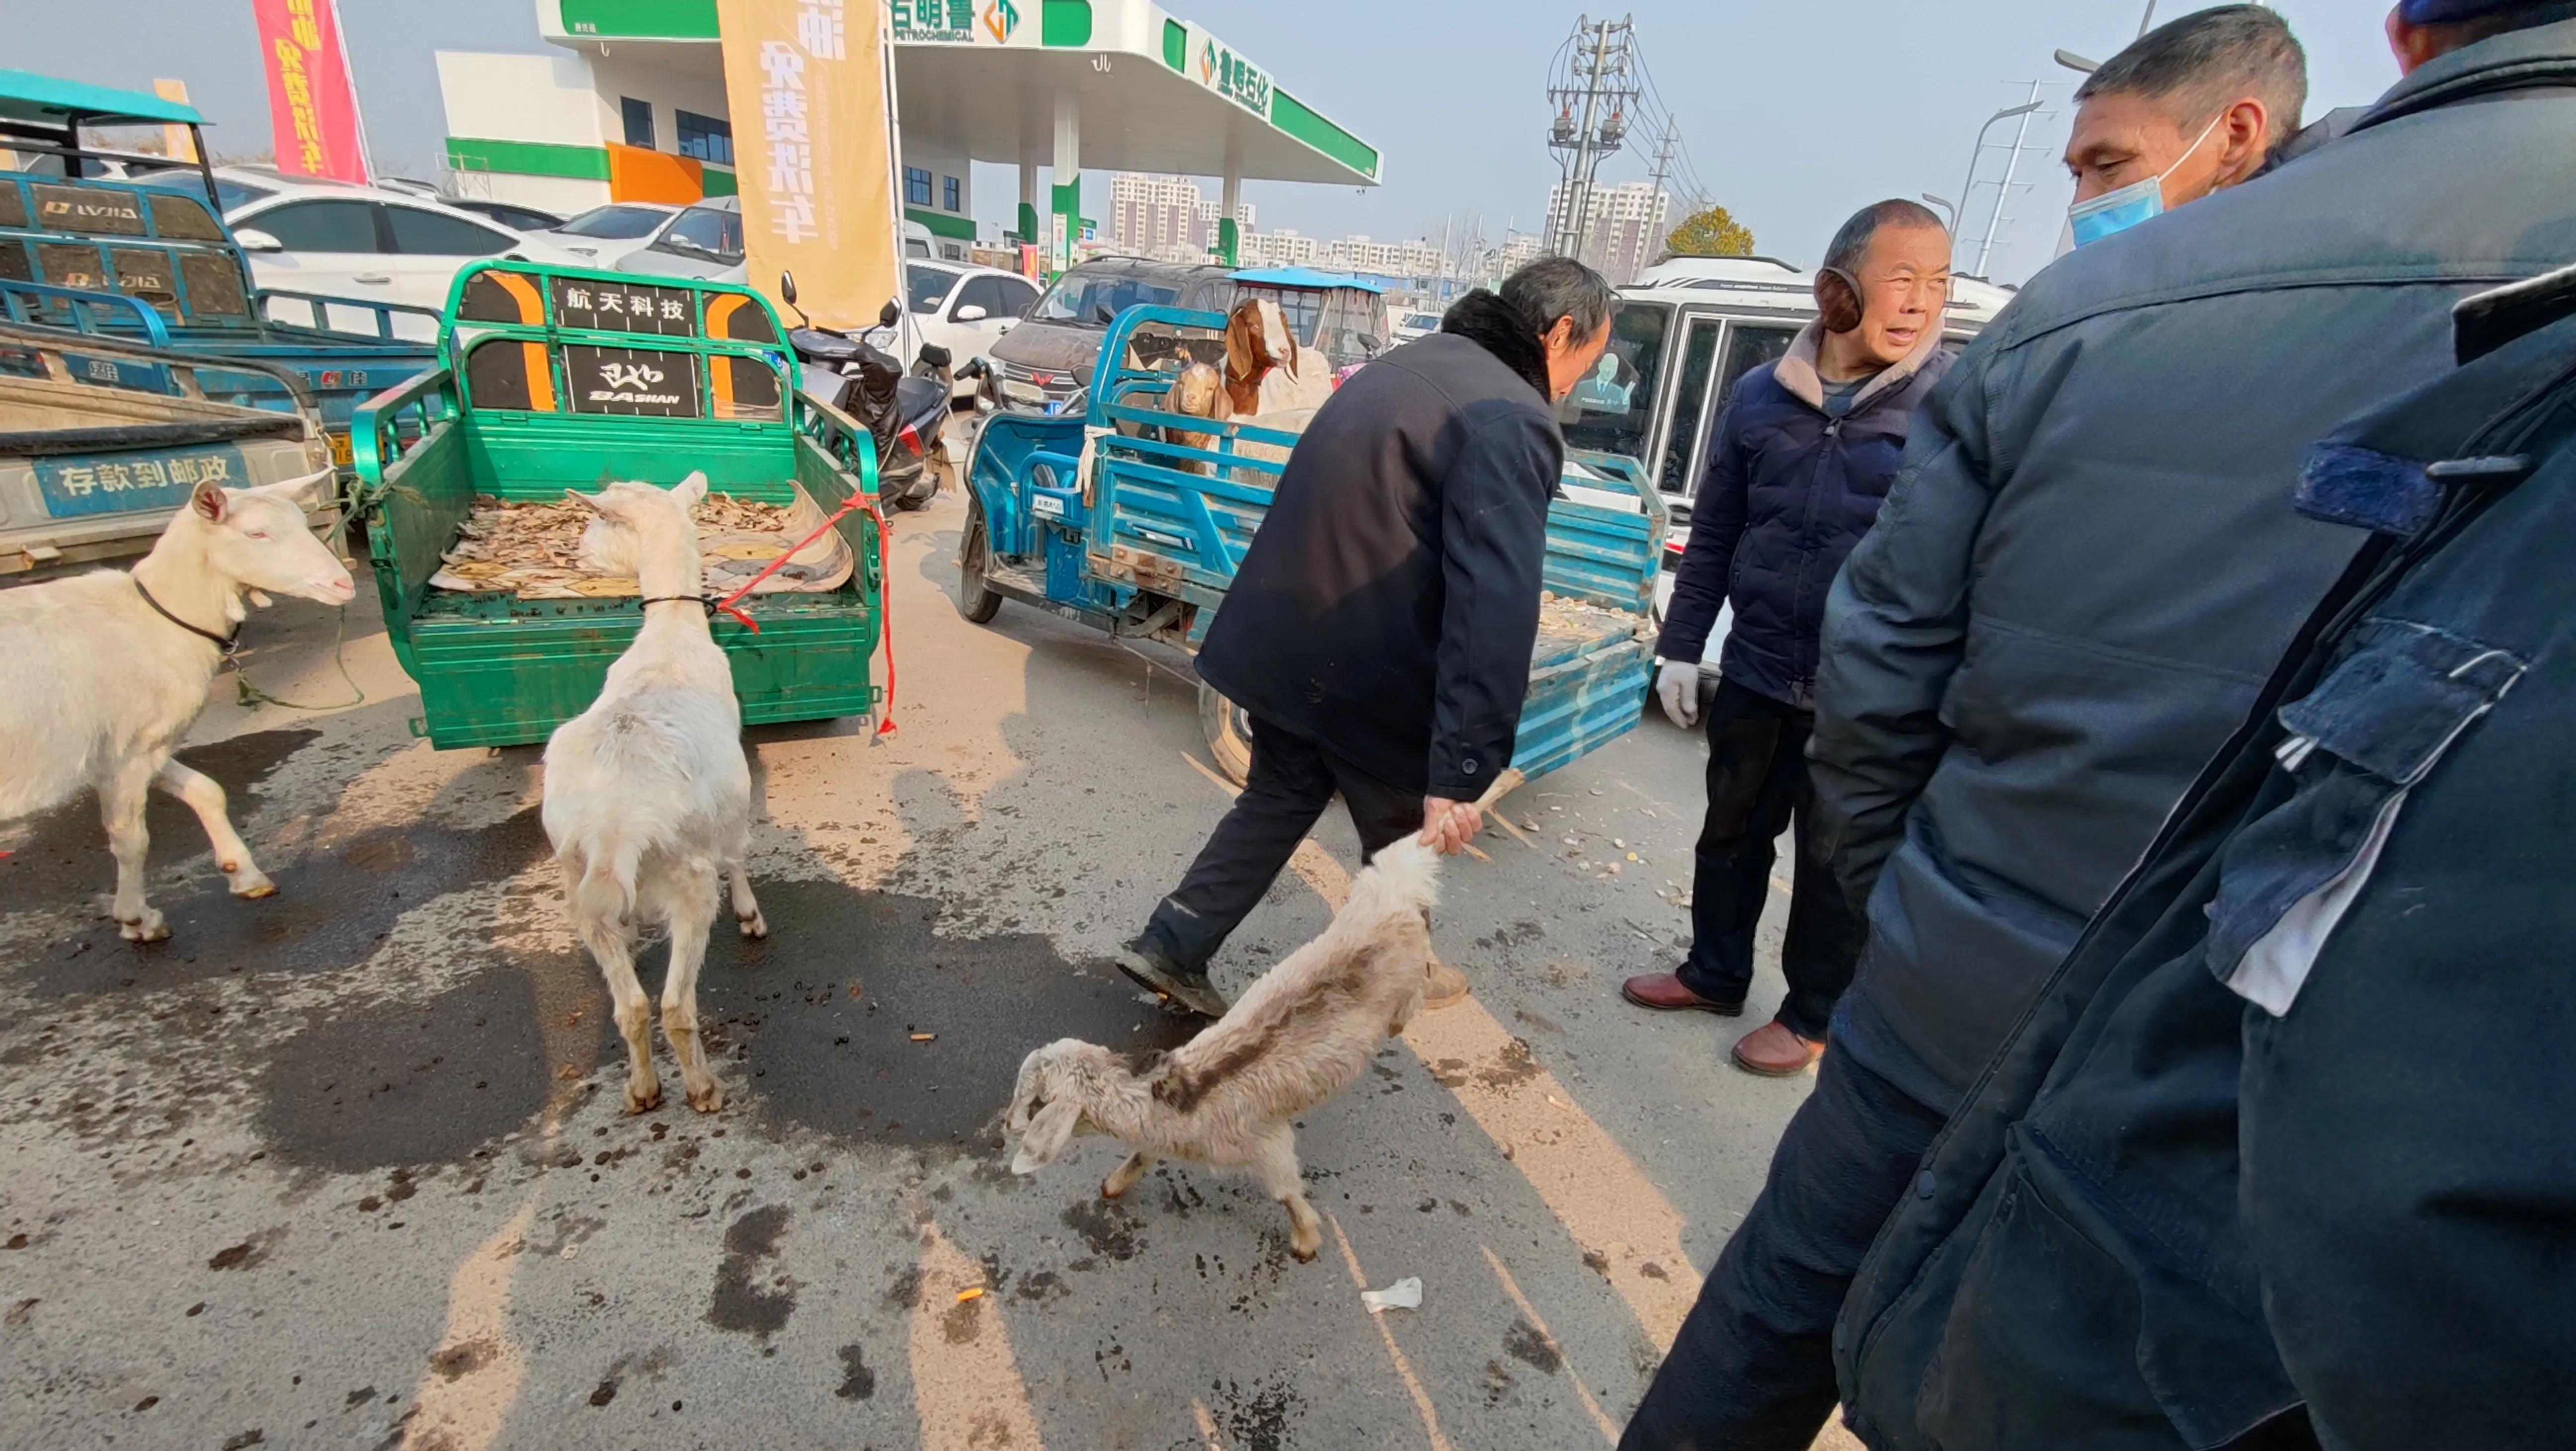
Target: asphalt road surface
{"points": [[348, 1166]]}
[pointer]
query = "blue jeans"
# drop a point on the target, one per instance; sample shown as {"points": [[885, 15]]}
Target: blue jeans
{"points": [[1753, 1366]]}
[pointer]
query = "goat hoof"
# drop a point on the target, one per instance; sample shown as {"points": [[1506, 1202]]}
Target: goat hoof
{"points": [[1306, 1253], [644, 1099], [1110, 1188], [253, 887], [754, 926], [147, 928], [708, 1099]]}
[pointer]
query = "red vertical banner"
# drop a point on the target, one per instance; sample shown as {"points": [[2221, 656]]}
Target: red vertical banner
{"points": [[312, 101]]}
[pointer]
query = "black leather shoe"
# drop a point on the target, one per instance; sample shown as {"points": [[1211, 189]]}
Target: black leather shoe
{"points": [[1156, 973]]}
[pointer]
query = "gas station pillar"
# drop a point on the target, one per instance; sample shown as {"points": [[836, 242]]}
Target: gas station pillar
{"points": [[1065, 226], [1229, 230]]}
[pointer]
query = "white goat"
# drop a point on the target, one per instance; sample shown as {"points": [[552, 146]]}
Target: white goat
{"points": [[102, 674], [648, 795], [1294, 1039]]}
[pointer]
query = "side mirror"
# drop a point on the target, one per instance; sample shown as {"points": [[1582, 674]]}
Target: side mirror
{"points": [[890, 314], [252, 239], [969, 313], [787, 287], [1370, 343]]}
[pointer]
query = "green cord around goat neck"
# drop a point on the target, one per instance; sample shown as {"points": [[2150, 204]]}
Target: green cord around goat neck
{"points": [[247, 695]]}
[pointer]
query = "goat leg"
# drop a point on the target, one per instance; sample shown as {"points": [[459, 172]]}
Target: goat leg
{"points": [[1274, 1161], [1124, 1177], [608, 944], [120, 806], [746, 908], [232, 855], [690, 921]]}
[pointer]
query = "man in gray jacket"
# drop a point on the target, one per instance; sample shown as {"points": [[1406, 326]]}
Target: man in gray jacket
{"points": [[2074, 593]]}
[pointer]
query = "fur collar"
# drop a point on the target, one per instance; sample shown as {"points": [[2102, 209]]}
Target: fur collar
{"points": [[1483, 318], [1797, 369]]}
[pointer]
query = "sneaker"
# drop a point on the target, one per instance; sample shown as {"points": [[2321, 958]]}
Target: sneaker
{"points": [[1158, 974], [1664, 992]]}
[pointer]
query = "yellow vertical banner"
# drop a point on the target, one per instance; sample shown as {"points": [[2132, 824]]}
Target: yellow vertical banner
{"points": [[175, 141], [805, 83]]}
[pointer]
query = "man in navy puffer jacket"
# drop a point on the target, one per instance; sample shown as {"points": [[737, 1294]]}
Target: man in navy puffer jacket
{"points": [[1801, 459]]}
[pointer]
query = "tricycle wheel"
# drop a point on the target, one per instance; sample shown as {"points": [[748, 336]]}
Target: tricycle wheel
{"points": [[976, 600], [1229, 734]]}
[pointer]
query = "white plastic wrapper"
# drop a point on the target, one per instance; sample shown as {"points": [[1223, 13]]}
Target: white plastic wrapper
{"points": [[1404, 1294]]}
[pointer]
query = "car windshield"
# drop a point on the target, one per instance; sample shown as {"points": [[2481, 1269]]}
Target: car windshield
{"points": [[1612, 408], [928, 286], [230, 194], [705, 232], [1099, 297], [615, 223]]}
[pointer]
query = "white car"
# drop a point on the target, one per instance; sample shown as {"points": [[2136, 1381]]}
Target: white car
{"points": [[606, 236], [704, 241], [1410, 323], [964, 308], [370, 243]]}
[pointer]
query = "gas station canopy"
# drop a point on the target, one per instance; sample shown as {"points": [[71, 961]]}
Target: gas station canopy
{"points": [[990, 79]]}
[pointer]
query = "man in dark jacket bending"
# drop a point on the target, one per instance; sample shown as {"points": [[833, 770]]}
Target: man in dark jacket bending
{"points": [[1379, 631], [1802, 456]]}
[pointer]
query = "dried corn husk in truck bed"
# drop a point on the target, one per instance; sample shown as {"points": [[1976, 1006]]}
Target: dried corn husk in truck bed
{"points": [[533, 550], [1566, 617]]}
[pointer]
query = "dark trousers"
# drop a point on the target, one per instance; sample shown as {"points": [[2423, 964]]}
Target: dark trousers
{"points": [[1292, 780], [1753, 1366], [1758, 786]]}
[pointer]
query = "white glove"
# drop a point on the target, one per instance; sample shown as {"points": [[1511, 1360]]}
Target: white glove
{"points": [[1677, 686]]}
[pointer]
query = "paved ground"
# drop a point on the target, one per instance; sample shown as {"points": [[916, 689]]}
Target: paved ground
{"points": [[347, 1168]]}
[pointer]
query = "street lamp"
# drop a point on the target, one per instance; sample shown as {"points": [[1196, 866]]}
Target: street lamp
{"points": [[2078, 64], [1979, 150], [1948, 206]]}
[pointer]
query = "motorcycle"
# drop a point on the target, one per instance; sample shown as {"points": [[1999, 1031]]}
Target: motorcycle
{"points": [[903, 411]]}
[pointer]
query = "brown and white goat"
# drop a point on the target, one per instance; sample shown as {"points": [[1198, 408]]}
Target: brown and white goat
{"points": [[1230, 1096]]}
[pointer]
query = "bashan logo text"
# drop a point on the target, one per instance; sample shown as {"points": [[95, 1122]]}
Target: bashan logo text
{"points": [[628, 382]]}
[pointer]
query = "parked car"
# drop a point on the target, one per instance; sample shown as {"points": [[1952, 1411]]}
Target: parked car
{"points": [[704, 241], [965, 309], [370, 243], [1412, 322], [1048, 357], [607, 235], [517, 218]]}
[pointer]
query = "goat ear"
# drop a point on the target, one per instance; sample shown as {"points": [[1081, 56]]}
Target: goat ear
{"points": [[691, 489], [209, 502], [1047, 1136], [303, 493], [587, 501]]}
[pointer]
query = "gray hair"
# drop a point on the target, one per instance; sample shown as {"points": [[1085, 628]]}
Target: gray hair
{"points": [[2199, 65], [1851, 243], [1555, 287]]}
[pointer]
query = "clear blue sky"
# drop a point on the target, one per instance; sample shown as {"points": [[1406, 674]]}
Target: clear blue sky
{"points": [[1795, 114]]}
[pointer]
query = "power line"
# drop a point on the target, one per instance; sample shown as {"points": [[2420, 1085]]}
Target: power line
{"points": [[1604, 61]]}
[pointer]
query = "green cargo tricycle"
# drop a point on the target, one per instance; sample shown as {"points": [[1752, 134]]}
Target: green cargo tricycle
{"points": [[555, 378]]}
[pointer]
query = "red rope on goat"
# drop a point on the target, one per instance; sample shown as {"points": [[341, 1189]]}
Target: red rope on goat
{"points": [[885, 605]]}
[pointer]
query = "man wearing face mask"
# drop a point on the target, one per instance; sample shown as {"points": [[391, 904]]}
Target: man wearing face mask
{"points": [[2073, 594], [1380, 628], [1796, 468], [2195, 108]]}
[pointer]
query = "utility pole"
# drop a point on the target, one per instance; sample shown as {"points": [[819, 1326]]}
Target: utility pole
{"points": [[1605, 66], [2012, 163], [1664, 149]]}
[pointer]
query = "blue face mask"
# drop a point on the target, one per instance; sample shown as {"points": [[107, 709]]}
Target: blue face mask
{"points": [[2118, 211]]}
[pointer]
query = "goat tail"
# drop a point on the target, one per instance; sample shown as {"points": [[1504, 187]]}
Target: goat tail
{"points": [[606, 892], [1404, 877]]}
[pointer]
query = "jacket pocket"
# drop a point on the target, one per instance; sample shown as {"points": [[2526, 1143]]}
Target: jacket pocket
{"points": [[2373, 729]]}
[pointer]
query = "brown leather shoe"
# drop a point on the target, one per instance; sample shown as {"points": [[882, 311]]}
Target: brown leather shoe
{"points": [[1775, 1052], [1664, 992]]}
